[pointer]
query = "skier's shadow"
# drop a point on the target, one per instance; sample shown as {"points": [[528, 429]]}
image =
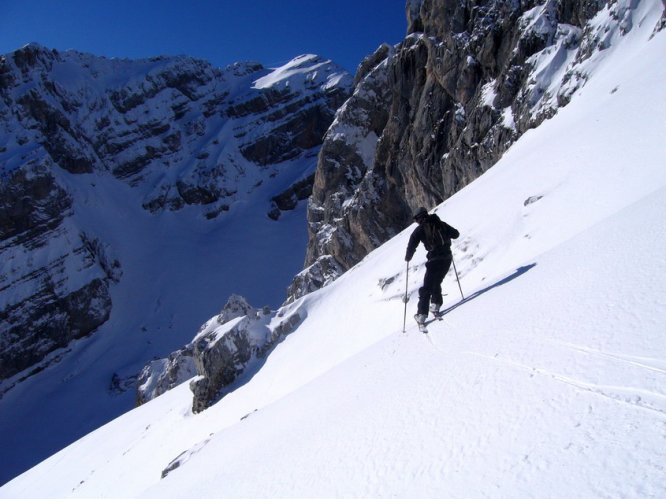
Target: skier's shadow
{"points": [[519, 271]]}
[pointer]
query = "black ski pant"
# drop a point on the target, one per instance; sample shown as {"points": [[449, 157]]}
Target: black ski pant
{"points": [[431, 291]]}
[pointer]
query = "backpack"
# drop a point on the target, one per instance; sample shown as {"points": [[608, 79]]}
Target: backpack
{"points": [[435, 234]]}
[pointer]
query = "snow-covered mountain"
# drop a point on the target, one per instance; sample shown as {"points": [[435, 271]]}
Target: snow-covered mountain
{"points": [[126, 188], [546, 381]]}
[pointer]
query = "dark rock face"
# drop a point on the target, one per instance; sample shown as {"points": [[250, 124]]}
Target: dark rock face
{"points": [[40, 310], [164, 374], [324, 271], [433, 113], [55, 322], [342, 173], [176, 131], [227, 347], [232, 345], [31, 204], [289, 199], [220, 363], [302, 128]]}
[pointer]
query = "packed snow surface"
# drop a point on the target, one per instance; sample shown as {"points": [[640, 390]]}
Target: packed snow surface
{"points": [[548, 380]]}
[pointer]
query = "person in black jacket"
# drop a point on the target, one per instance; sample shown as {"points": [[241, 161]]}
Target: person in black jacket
{"points": [[436, 236]]}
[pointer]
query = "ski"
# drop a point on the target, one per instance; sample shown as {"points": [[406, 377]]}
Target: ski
{"points": [[435, 317]]}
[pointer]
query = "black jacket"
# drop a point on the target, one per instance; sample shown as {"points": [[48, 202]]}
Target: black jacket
{"points": [[436, 237]]}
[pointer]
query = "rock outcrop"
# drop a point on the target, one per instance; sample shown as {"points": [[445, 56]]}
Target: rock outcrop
{"points": [[228, 347], [175, 131], [162, 375], [289, 199], [431, 114]]}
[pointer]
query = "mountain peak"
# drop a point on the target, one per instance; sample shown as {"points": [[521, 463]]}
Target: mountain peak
{"points": [[305, 71]]}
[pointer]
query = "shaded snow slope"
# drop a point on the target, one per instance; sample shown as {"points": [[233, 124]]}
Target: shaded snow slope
{"points": [[194, 268], [548, 381], [172, 267]]}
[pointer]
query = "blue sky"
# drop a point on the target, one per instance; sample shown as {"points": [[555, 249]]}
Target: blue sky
{"points": [[224, 31]]}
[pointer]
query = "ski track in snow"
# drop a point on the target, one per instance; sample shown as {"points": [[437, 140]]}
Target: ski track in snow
{"points": [[629, 395]]}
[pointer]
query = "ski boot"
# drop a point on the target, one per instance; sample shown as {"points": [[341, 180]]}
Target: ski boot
{"points": [[420, 320]]}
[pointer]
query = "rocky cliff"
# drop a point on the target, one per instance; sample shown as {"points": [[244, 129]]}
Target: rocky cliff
{"points": [[173, 135], [431, 114], [230, 346]]}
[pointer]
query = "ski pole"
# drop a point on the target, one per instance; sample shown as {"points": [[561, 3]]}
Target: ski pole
{"points": [[405, 299], [457, 278]]}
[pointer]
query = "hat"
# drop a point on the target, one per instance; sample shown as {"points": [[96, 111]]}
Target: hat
{"points": [[420, 212]]}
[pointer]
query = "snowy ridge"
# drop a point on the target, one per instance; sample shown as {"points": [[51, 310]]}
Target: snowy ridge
{"points": [[302, 71], [548, 381]]}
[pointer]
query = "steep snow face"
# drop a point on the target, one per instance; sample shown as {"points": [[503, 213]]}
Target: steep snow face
{"points": [[127, 189], [546, 381]]}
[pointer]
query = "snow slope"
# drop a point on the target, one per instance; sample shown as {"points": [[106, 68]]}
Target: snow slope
{"points": [[549, 380]]}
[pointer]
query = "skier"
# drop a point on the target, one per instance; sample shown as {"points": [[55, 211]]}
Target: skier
{"points": [[436, 236]]}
